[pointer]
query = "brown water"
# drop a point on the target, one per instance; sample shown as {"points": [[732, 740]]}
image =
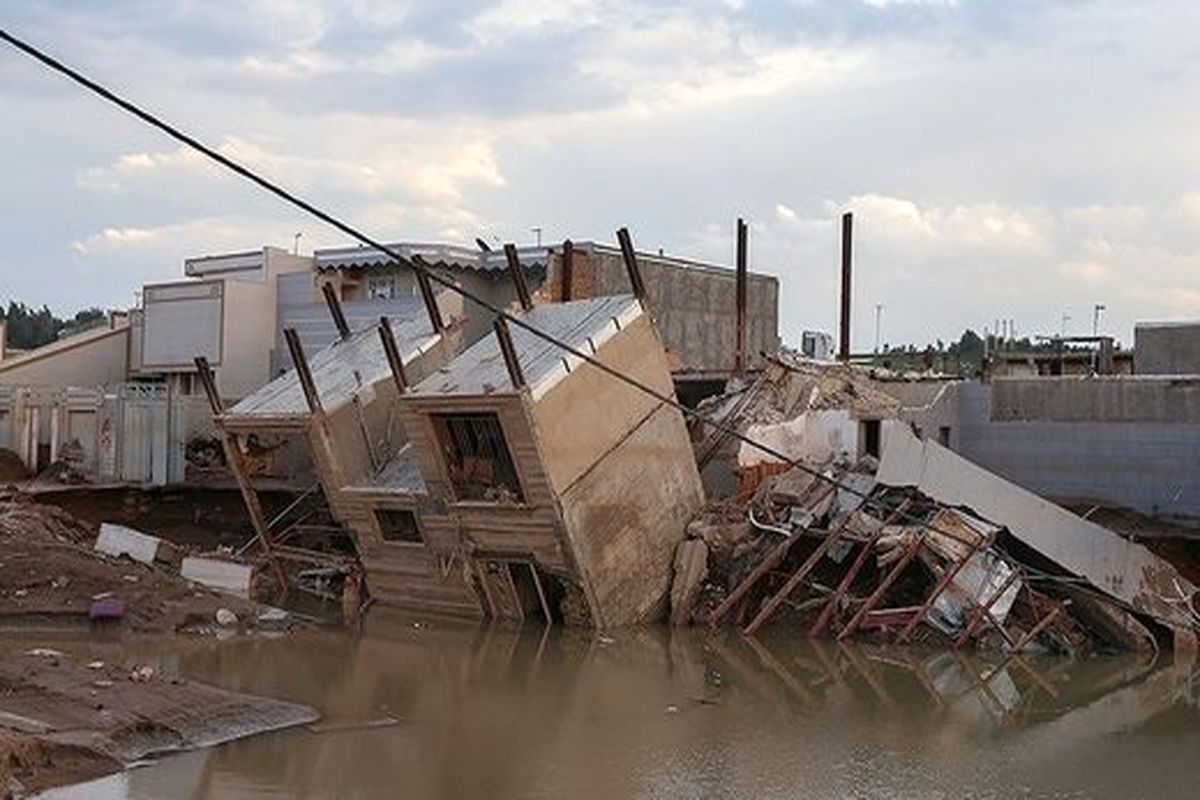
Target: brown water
{"points": [[488, 713]]}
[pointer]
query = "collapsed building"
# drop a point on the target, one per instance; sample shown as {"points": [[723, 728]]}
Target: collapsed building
{"points": [[506, 481], [910, 542]]}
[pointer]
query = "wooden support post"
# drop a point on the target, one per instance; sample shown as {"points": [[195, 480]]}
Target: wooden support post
{"points": [[909, 554], [335, 310], [844, 322], [567, 273], [1042, 624], [948, 576], [483, 246], [797, 577], [541, 593], [210, 386], [303, 374], [427, 296], [629, 256], [826, 614], [392, 352], [517, 273], [984, 610], [768, 563], [510, 353], [237, 464], [743, 278]]}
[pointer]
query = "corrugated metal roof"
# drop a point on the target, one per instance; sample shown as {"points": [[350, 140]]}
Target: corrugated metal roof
{"points": [[583, 324], [446, 255], [340, 370]]}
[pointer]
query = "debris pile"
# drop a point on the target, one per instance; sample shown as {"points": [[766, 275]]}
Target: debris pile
{"points": [[52, 574], [919, 546]]}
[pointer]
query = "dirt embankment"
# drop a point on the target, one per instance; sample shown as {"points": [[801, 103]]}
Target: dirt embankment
{"points": [[50, 574]]}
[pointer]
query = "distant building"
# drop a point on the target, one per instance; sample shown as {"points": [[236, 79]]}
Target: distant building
{"points": [[1166, 348], [816, 345]]}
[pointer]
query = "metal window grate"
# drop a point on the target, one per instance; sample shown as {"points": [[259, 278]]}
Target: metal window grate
{"points": [[477, 457]]}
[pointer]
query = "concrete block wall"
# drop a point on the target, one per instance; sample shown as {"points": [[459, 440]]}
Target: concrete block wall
{"points": [[1151, 467]]}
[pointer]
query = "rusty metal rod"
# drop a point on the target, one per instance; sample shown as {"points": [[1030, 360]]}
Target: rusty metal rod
{"points": [[742, 278], [567, 273], [517, 273], [629, 256], [303, 374], [510, 353], [393, 355], [335, 310], [844, 321]]}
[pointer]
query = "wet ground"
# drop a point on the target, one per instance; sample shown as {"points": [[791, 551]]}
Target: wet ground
{"points": [[456, 711]]}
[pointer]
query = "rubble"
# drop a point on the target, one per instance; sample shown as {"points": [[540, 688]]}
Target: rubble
{"points": [[918, 545], [51, 574]]}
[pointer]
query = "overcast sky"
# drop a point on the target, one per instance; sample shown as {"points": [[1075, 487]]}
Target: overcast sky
{"points": [[1010, 159]]}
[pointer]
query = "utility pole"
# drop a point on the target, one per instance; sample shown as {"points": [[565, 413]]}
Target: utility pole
{"points": [[878, 315], [1065, 319], [1096, 309], [537, 232]]}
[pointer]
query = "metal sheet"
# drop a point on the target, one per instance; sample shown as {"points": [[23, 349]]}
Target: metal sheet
{"points": [[1122, 569]]}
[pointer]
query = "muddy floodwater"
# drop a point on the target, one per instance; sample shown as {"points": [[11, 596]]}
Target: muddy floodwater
{"points": [[418, 708]]}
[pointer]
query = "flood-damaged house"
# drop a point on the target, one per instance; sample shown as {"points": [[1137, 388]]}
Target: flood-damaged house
{"points": [[331, 420], [535, 484]]}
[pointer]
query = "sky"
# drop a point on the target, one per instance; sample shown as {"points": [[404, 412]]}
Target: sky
{"points": [[1004, 159]]}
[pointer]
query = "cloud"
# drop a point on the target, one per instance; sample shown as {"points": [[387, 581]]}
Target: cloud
{"points": [[979, 225]]}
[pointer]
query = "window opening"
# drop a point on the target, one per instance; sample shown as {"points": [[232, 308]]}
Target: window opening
{"points": [[477, 458]]}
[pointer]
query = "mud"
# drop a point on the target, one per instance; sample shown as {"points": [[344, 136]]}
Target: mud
{"points": [[63, 721], [50, 575]]}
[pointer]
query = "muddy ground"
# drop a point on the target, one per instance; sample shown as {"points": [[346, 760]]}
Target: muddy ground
{"points": [[50, 575], [62, 721]]}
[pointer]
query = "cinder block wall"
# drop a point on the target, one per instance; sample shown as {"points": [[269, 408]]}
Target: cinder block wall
{"points": [[1150, 466]]}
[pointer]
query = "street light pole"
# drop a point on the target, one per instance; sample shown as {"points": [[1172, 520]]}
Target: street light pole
{"points": [[878, 315], [1096, 309]]}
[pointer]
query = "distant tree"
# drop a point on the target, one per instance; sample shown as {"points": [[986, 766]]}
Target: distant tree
{"points": [[26, 328]]}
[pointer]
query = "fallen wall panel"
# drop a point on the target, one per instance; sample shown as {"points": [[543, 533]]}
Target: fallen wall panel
{"points": [[1123, 569]]}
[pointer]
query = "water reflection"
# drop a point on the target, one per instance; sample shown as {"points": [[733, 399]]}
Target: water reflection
{"points": [[490, 712]]}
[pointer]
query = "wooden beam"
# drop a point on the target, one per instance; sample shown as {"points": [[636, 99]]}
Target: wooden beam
{"points": [[237, 464], [393, 355], [983, 610], [909, 554], [517, 273], [771, 560], [510, 353], [947, 577], [210, 386], [826, 614], [303, 374], [335, 310], [798, 576], [629, 256]]}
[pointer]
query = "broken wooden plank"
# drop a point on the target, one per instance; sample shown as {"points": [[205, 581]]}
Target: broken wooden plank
{"points": [[798, 576], [826, 614], [909, 554]]}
